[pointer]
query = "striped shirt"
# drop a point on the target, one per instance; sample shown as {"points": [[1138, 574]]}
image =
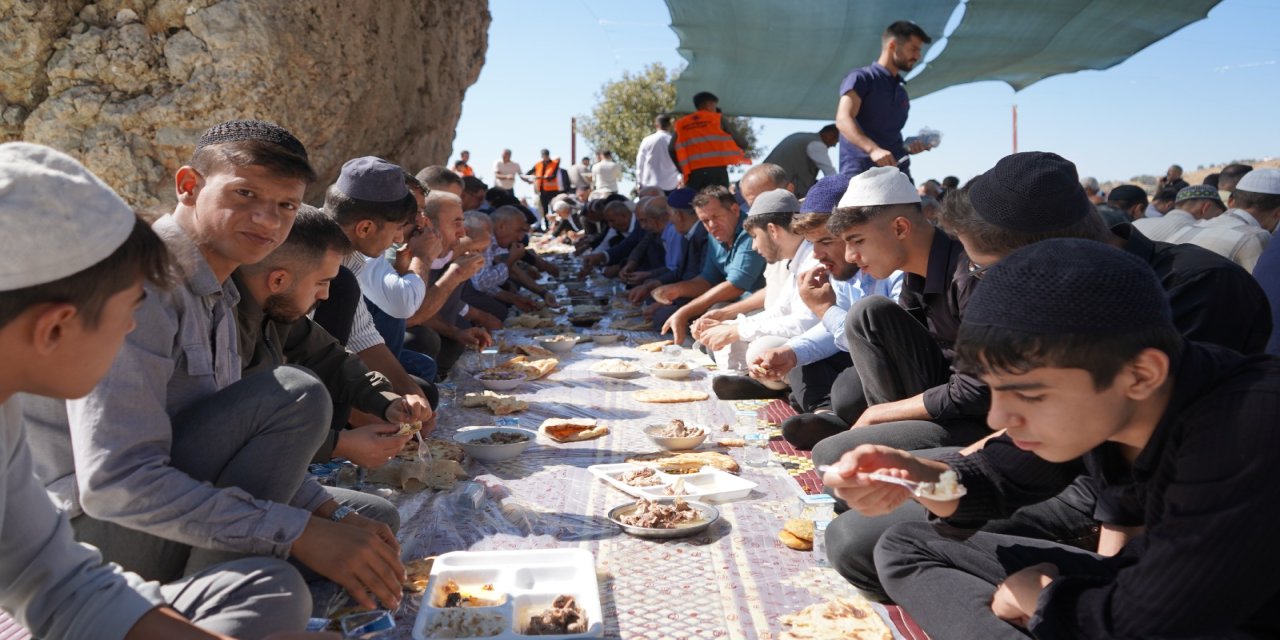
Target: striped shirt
{"points": [[364, 334]]}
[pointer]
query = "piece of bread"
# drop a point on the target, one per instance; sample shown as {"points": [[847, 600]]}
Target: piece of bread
{"points": [[839, 618], [654, 347], [667, 396], [532, 369], [572, 429], [687, 460], [409, 428], [498, 403], [534, 351], [797, 533], [443, 475], [417, 573]]}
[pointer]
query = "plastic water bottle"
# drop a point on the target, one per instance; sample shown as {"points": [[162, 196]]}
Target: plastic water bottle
{"points": [[821, 509]]}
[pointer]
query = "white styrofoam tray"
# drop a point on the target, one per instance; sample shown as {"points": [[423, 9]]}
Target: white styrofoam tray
{"points": [[529, 579], [709, 484]]}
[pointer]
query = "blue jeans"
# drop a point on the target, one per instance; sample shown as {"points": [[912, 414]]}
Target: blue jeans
{"points": [[392, 331]]}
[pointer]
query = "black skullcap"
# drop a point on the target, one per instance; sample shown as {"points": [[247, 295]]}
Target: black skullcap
{"points": [[1031, 192], [237, 130], [1128, 193], [1069, 285]]}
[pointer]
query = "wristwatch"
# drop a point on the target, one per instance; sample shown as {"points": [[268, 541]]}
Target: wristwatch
{"points": [[341, 512]]}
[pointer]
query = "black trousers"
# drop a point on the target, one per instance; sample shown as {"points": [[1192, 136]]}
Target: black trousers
{"points": [[338, 313], [699, 178], [895, 356], [812, 384]]}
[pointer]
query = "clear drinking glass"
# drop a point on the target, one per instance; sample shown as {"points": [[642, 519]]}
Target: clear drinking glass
{"points": [[489, 358], [448, 392]]}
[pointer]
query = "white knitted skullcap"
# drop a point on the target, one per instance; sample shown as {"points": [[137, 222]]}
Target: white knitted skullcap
{"points": [[879, 186]]}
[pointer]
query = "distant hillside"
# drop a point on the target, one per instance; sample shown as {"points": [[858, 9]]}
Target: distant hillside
{"points": [[1191, 176]]}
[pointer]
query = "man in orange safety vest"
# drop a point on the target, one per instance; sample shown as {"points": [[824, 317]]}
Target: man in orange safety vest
{"points": [[704, 147]]}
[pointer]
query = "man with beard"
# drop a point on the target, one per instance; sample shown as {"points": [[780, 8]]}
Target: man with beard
{"points": [[874, 104], [275, 297]]}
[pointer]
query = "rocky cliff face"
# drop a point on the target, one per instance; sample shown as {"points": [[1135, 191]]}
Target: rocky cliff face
{"points": [[128, 85]]}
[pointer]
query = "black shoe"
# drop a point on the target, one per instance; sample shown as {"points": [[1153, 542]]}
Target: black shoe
{"points": [[808, 429], [743, 388]]}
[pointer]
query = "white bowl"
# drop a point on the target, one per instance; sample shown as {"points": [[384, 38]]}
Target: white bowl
{"points": [[606, 338], [492, 452], [671, 374], [674, 444], [558, 346], [501, 385]]}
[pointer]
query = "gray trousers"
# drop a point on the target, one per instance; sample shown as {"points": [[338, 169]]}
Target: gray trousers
{"points": [[258, 434], [247, 598]]}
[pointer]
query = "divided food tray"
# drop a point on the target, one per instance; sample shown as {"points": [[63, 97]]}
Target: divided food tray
{"points": [[527, 582], [709, 484]]}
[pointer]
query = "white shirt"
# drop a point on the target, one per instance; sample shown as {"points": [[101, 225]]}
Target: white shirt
{"points": [[1165, 226], [817, 152], [785, 315], [510, 168], [605, 175], [1235, 235], [654, 167], [399, 296]]}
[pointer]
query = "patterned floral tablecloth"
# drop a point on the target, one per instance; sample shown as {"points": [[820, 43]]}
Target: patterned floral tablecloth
{"points": [[734, 581]]}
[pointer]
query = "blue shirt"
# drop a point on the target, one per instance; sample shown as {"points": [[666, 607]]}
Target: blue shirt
{"points": [[881, 117], [736, 262], [1267, 272], [673, 243], [827, 338]]}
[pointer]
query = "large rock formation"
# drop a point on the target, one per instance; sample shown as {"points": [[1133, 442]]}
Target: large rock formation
{"points": [[128, 85]]}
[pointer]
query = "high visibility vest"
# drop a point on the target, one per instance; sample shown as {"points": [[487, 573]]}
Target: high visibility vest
{"points": [[546, 176], [701, 143]]}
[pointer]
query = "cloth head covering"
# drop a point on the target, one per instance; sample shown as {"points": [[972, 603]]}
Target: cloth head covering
{"points": [[1261, 181], [237, 130], [681, 198], [879, 186], [56, 218], [1069, 285], [776, 201], [372, 179], [1031, 192], [1197, 191], [824, 195]]}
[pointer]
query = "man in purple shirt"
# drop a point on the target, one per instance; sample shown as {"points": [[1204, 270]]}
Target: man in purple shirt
{"points": [[873, 103]]}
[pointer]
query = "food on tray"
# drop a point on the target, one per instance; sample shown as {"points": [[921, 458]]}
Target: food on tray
{"points": [[678, 429], [501, 437], [839, 618], [670, 395], [797, 534], [675, 488], [534, 351], [465, 623], [645, 477], [562, 617], [673, 462], [532, 369], [452, 595], [572, 429], [672, 366], [530, 321], [498, 403], [417, 573], [614, 365], [558, 339], [651, 514], [653, 347], [409, 428], [588, 310], [500, 375], [946, 488]]}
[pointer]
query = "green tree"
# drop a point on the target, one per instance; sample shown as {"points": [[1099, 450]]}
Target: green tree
{"points": [[625, 110]]}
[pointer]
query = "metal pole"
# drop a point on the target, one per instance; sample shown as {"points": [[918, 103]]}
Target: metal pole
{"points": [[573, 141], [1015, 128]]}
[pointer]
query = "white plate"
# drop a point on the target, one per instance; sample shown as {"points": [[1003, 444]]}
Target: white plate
{"points": [[530, 580], [708, 485]]}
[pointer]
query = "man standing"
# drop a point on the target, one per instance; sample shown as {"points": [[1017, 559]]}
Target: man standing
{"points": [[654, 167], [463, 166], [580, 178], [873, 103], [505, 172], [704, 146], [605, 173], [546, 180], [1172, 179], [802, 154]]}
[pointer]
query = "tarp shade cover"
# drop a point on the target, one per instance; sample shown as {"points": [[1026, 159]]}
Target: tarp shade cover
{"points": [[785, 59]]}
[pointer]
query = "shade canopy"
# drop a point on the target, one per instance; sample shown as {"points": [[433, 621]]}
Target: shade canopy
{"points": [[786, 58]]}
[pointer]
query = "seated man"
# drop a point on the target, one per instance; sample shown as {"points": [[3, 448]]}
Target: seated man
{"points": [[658, 252], [690, 254], [1125, 203], [486, 289], [624, 234], [1242, 233], [275, 296], [63, 317], [176, 461], [1088, 372], [769, 225], [731, 271], [1197, 202]]}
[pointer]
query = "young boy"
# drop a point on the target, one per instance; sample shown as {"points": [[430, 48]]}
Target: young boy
{"points": [[63, 317], [1087, 371]]}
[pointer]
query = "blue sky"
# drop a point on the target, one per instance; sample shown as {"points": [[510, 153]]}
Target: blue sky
{"points": [[1207, 94]]}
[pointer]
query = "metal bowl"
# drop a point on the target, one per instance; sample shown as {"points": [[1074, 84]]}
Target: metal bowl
{"points": [[709, 517]]}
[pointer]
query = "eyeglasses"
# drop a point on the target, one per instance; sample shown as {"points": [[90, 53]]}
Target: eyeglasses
{"points": [[976, 271]]}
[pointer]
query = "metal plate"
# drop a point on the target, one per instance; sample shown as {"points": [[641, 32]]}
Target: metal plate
{"points": [[709, 517]]}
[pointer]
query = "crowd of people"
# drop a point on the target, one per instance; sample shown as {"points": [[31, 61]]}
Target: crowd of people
{"points": [[168, 381]]}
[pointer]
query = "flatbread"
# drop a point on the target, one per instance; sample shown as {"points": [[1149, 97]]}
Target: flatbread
{"points": [[529, 321], [687, 460], [631, 324], [532, 369], [654, 347], [838, 618], [534, 351], [498, 403], [443, 475], [417, 573], [572, 429], [409, 428], [669, 395], [440, 450], [797, 534]]}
